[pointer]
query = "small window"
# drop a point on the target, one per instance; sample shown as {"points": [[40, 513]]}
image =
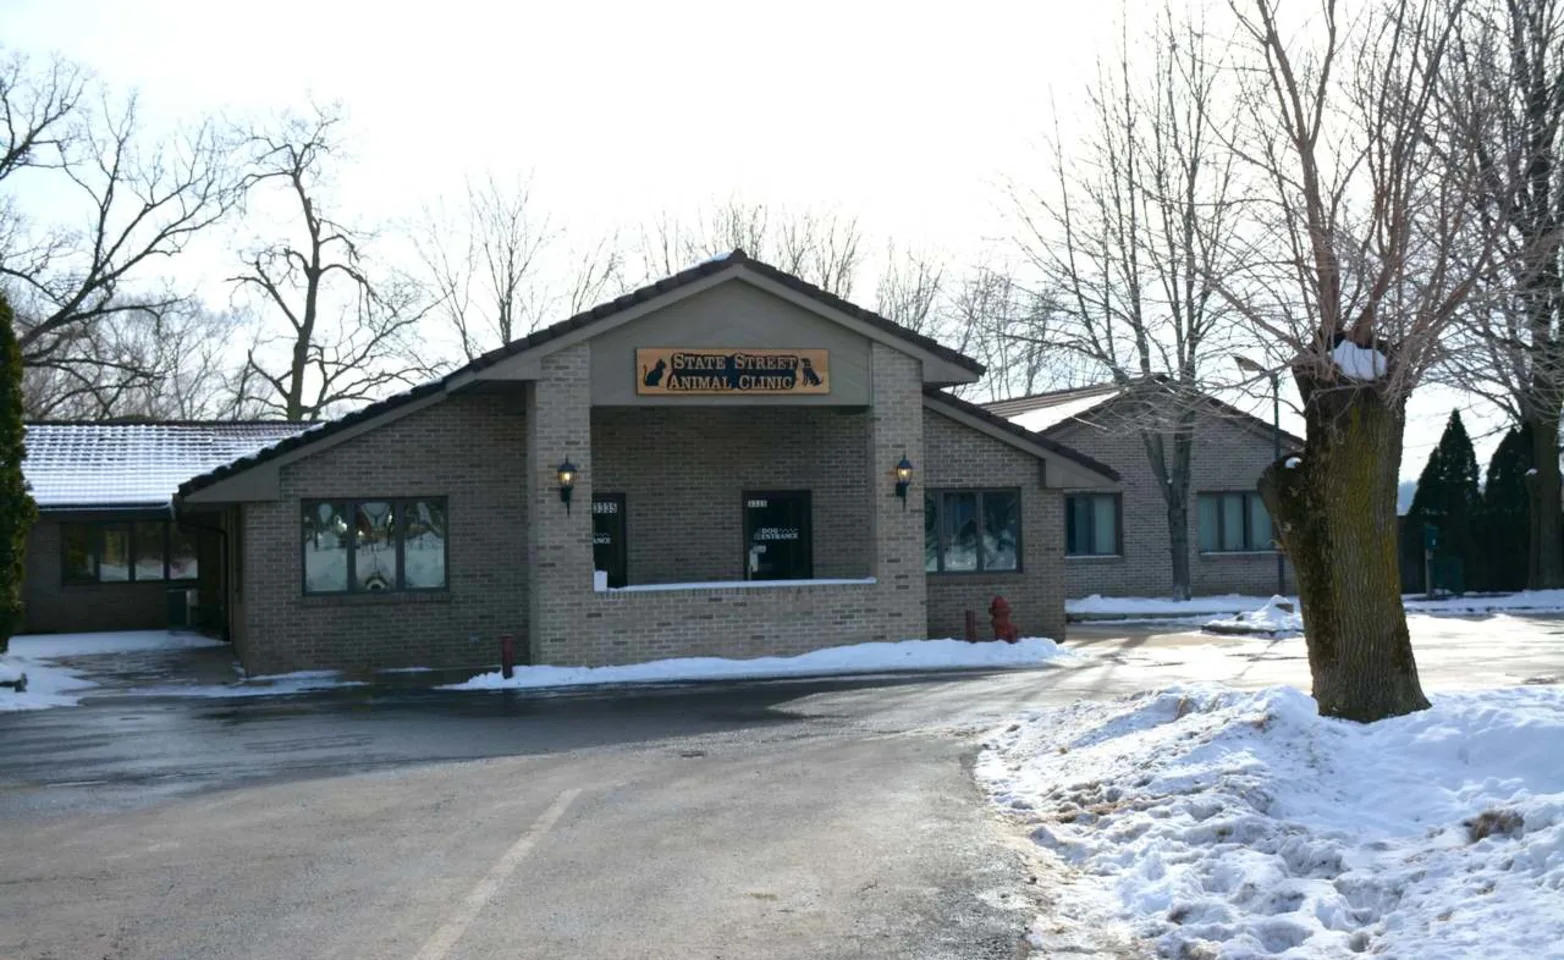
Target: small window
{"points": [[423, 545], [183, 561], [1091, 523], [79, 542], [114, 553], [325, 548], [151, 564], [373, 546], [967, 531], [1233, 523]]}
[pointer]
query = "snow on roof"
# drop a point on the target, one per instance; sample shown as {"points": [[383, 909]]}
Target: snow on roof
{"points": [[87, 465], [1045, 410]]}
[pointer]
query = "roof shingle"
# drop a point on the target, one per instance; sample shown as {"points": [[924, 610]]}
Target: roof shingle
{"points": [[133, 465]]}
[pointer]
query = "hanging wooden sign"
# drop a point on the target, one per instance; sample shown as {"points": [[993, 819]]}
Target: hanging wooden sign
{"points": [[714, 371]]}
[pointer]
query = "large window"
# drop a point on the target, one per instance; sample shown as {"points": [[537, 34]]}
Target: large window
{"points": [[1233, 523], [139, 552], [371, 546], [1091, 525], [967, 531]]}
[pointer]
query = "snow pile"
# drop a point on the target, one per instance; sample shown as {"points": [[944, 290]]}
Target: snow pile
{"points": [[47, 685], [1358, 363], [121, 641], [1217, 823], [857, 658], [1161, 607], [1279, 617]]}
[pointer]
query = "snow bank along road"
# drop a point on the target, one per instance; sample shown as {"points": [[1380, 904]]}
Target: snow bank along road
{"points": [[783, 819]]}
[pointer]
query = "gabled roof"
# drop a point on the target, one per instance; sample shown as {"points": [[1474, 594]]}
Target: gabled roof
{"points": [[133, 465], [711, 267], [941, 398], [581, 321], [1053, 412], [1043, 411]]}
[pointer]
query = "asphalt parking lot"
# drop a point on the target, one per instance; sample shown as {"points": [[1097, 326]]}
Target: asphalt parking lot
{"points": [[805, 818]]}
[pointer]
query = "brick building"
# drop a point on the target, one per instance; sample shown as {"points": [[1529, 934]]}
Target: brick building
{"points": [[727, 462], [1116, 538], [107, 552]]}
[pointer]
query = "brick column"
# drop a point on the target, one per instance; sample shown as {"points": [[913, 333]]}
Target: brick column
{"points": [[559, 545], [896, 430]]}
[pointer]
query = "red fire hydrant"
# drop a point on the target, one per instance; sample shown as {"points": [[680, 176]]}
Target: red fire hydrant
{"points": [[507, 656], [1004, 630]]}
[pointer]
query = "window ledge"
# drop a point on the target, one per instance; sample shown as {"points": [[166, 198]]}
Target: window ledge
{"points": [[726, 585], [392, 597], [1093, 557], [972, 573], [1219, 554]]}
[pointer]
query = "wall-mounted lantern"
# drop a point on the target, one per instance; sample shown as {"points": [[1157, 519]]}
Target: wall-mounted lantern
{"points": [[903, 479], [567, 482]]}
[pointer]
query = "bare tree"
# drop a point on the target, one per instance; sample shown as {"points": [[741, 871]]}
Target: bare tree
{"points": [[984, 310], [345, 337], [1506, 80], [911, 290], [483, 263], [1359, 253], [138, 206], [823, 248], [597, 274], [166, 365], [1125, 239]]}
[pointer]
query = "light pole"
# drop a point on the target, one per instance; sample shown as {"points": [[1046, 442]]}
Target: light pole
{"points": [[1249, 366]]}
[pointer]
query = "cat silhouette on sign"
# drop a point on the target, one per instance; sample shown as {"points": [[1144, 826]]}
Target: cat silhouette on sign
{"points": [[654, 376], [810, 377]]}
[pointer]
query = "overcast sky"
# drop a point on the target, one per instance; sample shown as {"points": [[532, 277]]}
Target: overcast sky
{"points": [[907, 115]]}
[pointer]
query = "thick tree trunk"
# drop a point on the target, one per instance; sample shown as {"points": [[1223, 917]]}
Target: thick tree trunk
{"points": [[1335, 511], [1178, 546], [1545, 570]]}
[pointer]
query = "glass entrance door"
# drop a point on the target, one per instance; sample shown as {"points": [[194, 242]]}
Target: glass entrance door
{"points": [[608, 536], [777, 537]]}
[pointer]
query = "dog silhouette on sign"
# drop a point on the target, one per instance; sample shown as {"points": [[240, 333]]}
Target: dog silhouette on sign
{"points": [[654, 376], [810, 377]]}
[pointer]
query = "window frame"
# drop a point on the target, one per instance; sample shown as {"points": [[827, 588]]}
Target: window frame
{"points": [[942, 531], [399, 510], [96, 529], [1221, 523], [806, 533], [1118, 525]]}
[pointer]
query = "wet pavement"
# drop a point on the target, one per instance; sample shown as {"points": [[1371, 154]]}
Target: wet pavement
{"points": [[797, 818]]}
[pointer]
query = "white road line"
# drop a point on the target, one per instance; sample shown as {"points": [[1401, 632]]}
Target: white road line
{"points": [[439, 946]]}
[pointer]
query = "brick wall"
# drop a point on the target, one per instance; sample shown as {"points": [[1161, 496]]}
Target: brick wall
{"points": [[53, 606], [1226, 456], [957, 456], [576, 625], [683, 473], [469, 449]]}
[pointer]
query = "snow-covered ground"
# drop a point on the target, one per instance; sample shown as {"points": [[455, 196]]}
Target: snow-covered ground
{"points": [[857, 658], [1197, 609], [47, 685], [51, 684], [1215, 823], [121, 641], [1160, 607], [268, 685]]}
